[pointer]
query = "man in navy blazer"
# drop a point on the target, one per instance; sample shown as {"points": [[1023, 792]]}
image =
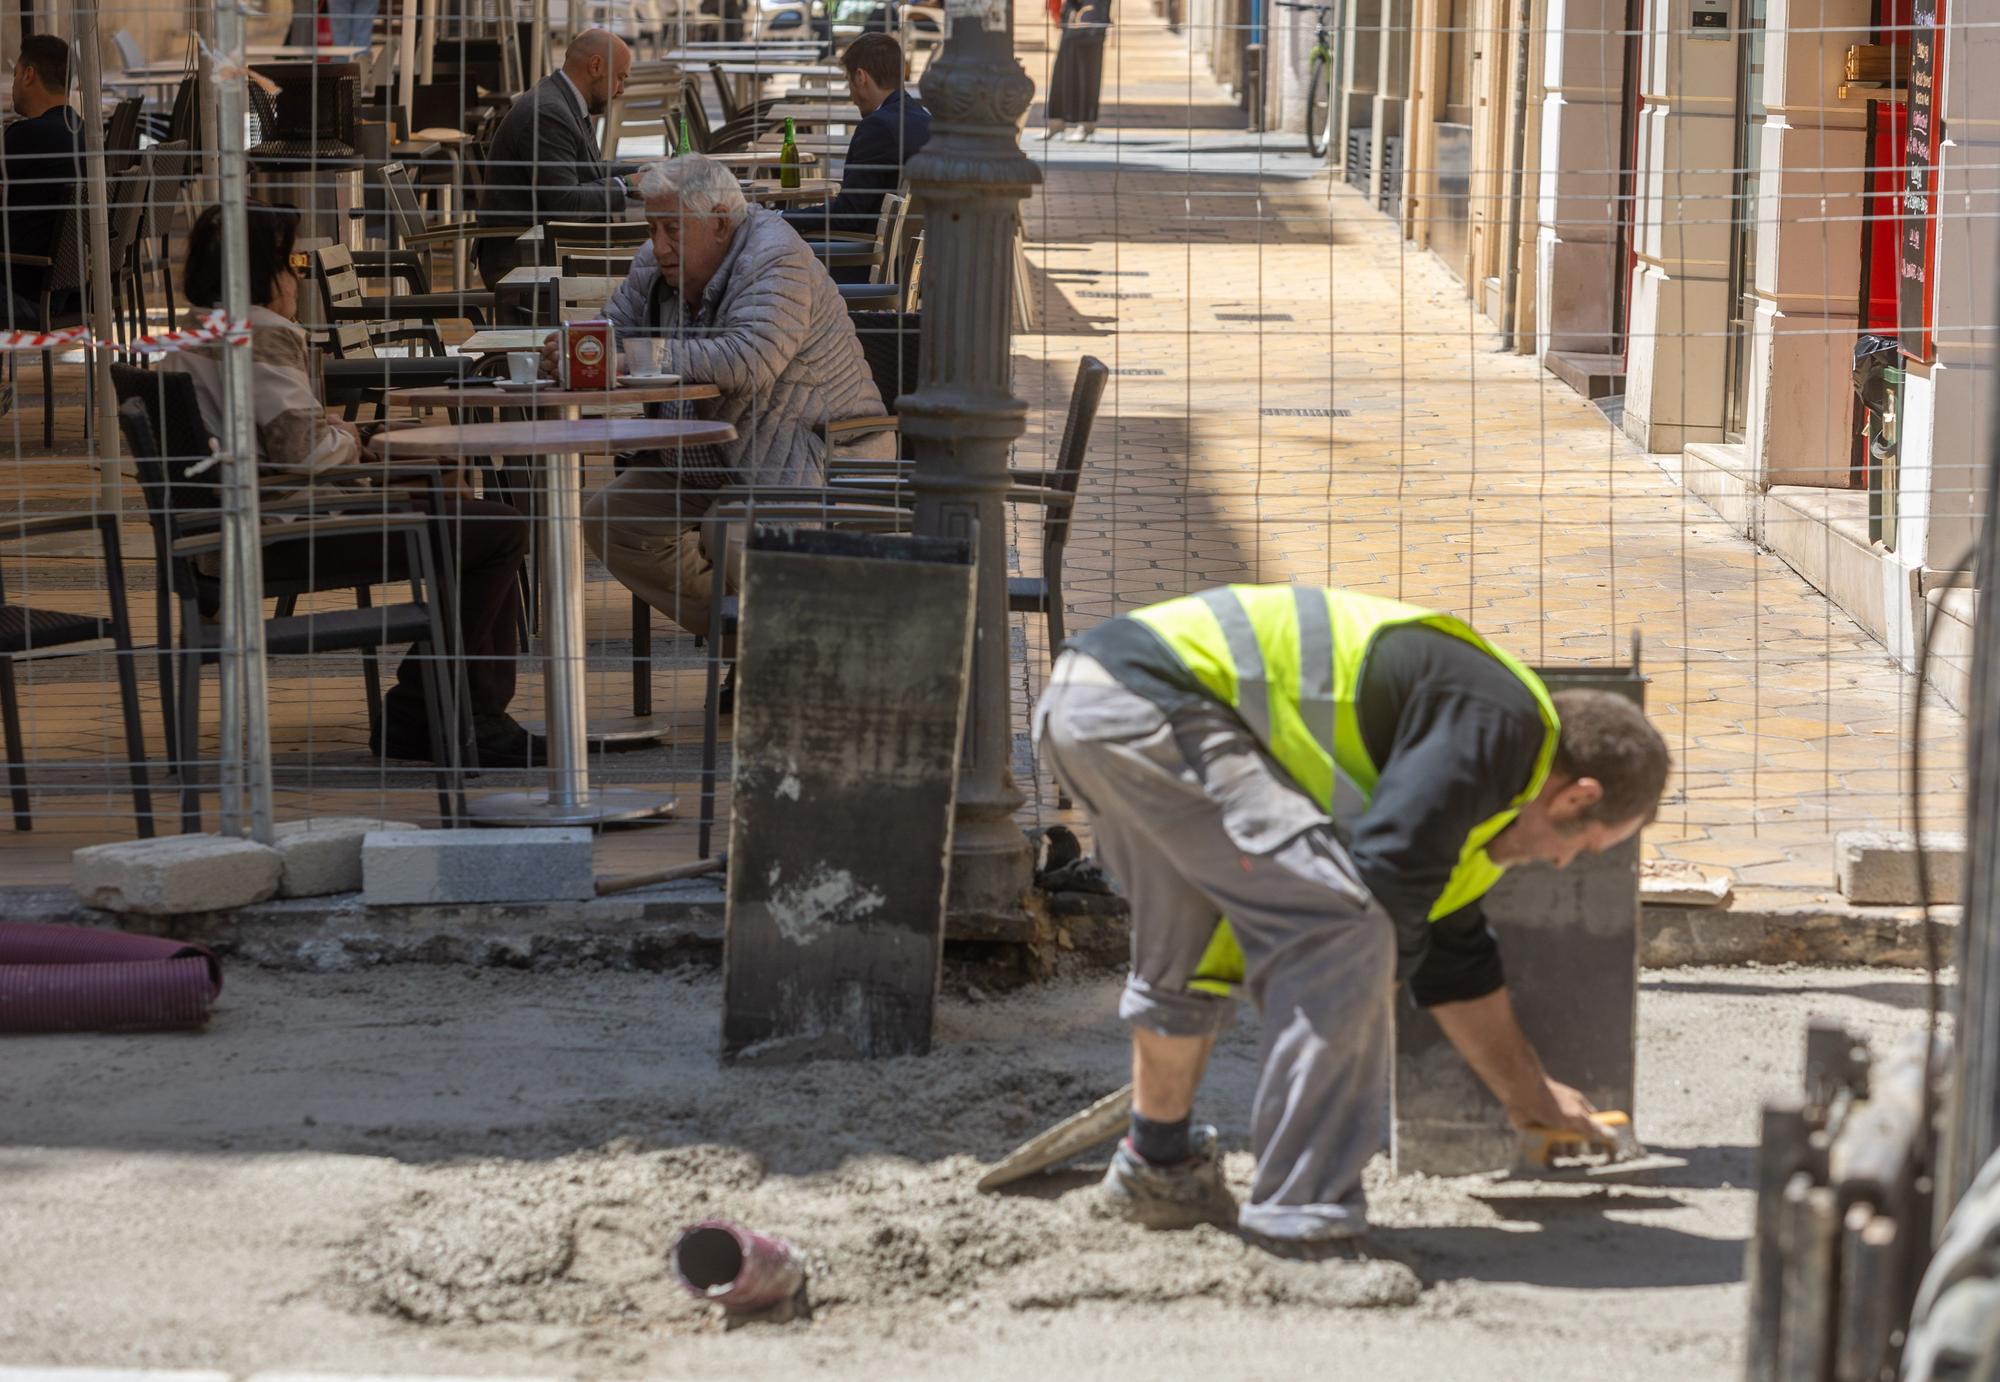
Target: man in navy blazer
{"points": [[894, 125]]}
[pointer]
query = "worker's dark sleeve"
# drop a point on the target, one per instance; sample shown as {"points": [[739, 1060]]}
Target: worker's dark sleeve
{"points": [[1462, 961], [1457, 759]]}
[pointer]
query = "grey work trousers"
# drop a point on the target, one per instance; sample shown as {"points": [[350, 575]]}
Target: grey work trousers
{"points": [[1196, 821]]}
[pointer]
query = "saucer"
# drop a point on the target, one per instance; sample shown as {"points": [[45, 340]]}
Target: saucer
{"points": [[649, 379], [523, 386]]}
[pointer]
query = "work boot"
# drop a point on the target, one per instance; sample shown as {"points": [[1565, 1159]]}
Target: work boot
{"points": [[1166, 1197]]}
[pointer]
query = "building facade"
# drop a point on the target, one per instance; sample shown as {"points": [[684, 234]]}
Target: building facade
{"points": [[1700, 212]]}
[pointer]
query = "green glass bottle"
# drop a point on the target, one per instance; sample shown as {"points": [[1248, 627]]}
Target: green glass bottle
{"points": [[788, 157], [687, 140]]}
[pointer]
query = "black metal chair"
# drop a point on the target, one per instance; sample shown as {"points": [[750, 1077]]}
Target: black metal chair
{"points": [[62, 283], [24, 628], [183, 501], [1043, 594]]}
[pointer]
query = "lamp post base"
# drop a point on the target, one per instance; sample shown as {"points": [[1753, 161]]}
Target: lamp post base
{"points": [[992, 866]]}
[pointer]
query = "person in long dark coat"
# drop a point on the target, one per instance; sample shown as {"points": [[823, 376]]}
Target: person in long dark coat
{"points": [[1078, 76]]}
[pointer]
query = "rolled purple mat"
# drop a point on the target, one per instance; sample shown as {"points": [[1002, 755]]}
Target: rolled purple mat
{"points": [[78, 978]]}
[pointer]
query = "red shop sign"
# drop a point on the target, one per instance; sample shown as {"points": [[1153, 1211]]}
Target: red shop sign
{"points": [[1916, 231]]}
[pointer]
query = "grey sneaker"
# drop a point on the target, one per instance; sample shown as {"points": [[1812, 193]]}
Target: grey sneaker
{"points": [[1167, 1197]]}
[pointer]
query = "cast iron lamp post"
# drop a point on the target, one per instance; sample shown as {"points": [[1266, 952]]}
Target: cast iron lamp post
{"points": [[963, 419]]}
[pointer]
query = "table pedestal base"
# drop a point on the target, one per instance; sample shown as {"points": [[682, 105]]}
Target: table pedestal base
{"points": [[604, 806], [615, 734]]}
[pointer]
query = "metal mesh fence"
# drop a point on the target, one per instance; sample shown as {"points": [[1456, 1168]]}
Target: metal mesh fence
{"points": [[1548, 318]]}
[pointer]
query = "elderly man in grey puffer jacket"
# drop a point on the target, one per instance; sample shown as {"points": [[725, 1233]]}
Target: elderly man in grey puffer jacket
{"points": [[738, 302]]}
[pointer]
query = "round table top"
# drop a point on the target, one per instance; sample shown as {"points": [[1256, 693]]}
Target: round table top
{"points": [[492, 396], [550, 437], [808, 190]]}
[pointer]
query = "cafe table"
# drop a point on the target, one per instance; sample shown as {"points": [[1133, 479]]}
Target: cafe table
{"points": [[504, 340], [569, 798], [774, 193]]}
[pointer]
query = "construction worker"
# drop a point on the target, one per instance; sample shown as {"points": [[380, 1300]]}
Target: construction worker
{"points": [[1305, 792]]}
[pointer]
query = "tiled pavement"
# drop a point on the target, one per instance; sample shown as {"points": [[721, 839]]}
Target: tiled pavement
{"points": [[1297, 396], [1235, 289]]}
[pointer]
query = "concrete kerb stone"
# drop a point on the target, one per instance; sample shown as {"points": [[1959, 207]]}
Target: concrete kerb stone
{"points": [[681, 923], [173, 874], [8, 1374], [1812, 930], [1881, 866], [418, 867], [323, 856]]}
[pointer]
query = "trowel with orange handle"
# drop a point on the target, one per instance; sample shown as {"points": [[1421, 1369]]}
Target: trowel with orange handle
{"points": [[1560, 1155]]}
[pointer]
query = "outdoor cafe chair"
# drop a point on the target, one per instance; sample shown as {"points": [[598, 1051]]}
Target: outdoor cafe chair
{"points": [[26, 629], [565, 238], [415, 241], [161, 419], [63, 282], [881, 252], [359, 329]]}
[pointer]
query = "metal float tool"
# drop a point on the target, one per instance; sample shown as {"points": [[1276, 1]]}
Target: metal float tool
{"points": [[1075, 1135]]}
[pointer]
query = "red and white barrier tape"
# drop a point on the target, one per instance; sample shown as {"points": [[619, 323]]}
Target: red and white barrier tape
{"points": [[43, 340], [216, 326]]}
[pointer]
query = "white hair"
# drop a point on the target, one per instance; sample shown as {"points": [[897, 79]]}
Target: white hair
{"points": [[702, 186]]}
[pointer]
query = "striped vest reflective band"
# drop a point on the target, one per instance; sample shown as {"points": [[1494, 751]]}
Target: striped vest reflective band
{"points": [[1288, 660]]}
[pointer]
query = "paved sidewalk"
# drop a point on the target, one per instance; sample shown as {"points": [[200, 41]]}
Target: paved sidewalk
{"points": [[1241, 297]]}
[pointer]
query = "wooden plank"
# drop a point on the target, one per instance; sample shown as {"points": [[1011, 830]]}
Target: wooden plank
{"points": [[1570, 942], [850, 700]]}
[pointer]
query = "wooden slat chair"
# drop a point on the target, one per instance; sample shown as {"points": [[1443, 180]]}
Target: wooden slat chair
{"points": [[563, 238], [882, 252], [26, 629], [415, 241], [161, 420], [359, 328]]}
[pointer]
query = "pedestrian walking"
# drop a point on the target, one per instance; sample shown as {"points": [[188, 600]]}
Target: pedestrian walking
{"points": [[1342, 777], [1078, 75]]}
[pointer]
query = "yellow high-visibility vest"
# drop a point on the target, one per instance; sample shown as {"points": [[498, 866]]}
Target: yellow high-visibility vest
{"points": [[1287, 659]]}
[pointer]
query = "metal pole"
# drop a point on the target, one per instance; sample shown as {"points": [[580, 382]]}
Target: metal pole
{"points": [[206, 113], [1518, 150], [406, 62], [427, 53], [246, 729], [971, 179], [97, 202], [538, 58], [1972, 1132]]}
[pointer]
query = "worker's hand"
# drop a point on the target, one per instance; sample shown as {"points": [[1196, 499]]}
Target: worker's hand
{"points": [[1559, 1107], [551, 353]]}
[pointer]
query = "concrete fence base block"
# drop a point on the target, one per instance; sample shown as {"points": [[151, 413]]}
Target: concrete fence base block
{"points": [[1880, 867], [401, 868], [323, 856], [175, 873]]}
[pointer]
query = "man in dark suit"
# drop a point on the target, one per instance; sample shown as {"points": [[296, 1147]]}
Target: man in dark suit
{"points": [[40, 170], [543, 164], [893, 127]]}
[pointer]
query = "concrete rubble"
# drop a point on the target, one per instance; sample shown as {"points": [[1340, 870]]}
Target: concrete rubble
{"points": [[323, 855], [174, 874]]}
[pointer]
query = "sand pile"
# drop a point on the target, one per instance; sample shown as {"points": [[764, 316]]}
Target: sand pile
{"points": [[583, 1241]]}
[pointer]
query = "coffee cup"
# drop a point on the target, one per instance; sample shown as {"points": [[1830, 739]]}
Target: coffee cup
{"points": [[523, 367], [642, 356]]}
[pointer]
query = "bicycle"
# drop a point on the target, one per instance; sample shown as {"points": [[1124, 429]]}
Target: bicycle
{"points": [[1319, 87]]}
